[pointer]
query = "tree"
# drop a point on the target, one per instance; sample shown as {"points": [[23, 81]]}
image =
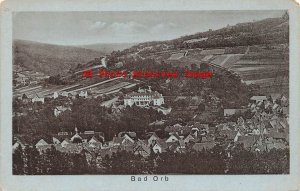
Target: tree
{"points": [[80, 164], [31, 160], [18, 161]]}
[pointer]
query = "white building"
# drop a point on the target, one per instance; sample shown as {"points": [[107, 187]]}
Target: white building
{"points": [[144, 98], [258, 98], [83, 94], [38, 98], [55, 95], [59, 109], [64, 93]]}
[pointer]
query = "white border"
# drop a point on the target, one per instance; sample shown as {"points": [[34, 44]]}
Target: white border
{"points": [[112, 182]]}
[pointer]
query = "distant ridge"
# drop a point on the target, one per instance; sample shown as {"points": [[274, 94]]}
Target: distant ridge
{"points": [[49, 58], [107, 48]]}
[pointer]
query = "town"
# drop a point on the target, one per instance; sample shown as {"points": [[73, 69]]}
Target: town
{"points": [[267, 129]]}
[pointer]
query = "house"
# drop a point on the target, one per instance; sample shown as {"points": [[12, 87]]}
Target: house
{"points": [[117, 109], [38, 98], [142, 149], [69, 148], [278, 136], [22, 80], [89, 132], [119, 64], [165, 111], [76, 138], [86, 136], [275, 106], [277, 145], [141, 142], [83, 94], [284, 101], [62, 133], [129, 133], [24, 97], [285, 111], [19, 143], [42, 145], [144, 98], [72, 95], [179, 129], [240, 121], [94, 142], [230, 135], [204, 146], [173, 138], [23, 141], [118, 141], [177, 147], [59, 109], [157, 123], [256, 131], [275, 96], [55, 140], [16, 145], [230, 112], [160, 146], [258, 99], [189, 138], [199, 129], [65, 142], [127, 139], [195, 132], [64, 93], [276, 124], [153, 138], [55, 95]]}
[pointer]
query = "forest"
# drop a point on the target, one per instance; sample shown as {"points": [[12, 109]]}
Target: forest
{"points": [[30, 162]]}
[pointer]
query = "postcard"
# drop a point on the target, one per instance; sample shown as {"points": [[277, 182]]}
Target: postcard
{"points": [[150, 95]]}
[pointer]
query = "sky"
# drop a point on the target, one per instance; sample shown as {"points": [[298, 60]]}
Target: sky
{"points": [[83, 28]]}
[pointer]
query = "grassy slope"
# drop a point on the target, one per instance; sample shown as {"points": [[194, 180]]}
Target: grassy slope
{"points": [[50, 59]]}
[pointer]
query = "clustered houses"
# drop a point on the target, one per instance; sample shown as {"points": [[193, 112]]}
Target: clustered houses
{"points": [[144, 97], [26, 77], [38, 97], [94, 142], [276, 103], [72, 94], [260, 133], [63, 141], [267, 129]]}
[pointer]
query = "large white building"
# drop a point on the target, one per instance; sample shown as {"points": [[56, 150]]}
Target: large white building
{"points": [[144, 97]]}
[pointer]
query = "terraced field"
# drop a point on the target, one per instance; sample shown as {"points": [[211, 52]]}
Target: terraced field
{"points": [[103, 87], [267, 68]]}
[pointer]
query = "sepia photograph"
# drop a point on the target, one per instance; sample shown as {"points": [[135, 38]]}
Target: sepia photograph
{"points": [[150, 93]]}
